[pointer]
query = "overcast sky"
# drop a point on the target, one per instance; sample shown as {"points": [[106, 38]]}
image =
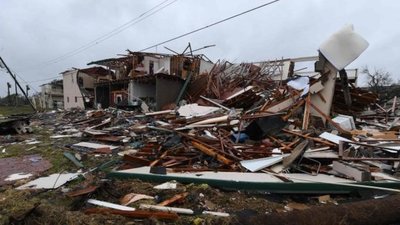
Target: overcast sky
{"points": [[34, 33]]}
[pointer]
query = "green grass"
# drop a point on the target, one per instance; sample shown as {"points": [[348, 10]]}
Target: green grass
{"points": [[10, 110]]}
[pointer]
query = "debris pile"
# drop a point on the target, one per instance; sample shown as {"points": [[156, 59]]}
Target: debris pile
{"points": [[265, 126]]}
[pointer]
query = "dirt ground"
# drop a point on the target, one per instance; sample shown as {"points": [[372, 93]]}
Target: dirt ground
{"points": [[55, 207]]}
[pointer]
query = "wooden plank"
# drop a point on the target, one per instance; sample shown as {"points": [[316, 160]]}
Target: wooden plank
{"points": [[328, 118], [297, 152], [176, 198], [211, 152], [84, 191], [358, 175], [306, 116], [311, 138]]}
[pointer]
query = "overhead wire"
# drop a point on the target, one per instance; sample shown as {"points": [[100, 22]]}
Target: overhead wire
{"points": [[106, 36], [166, 41], [112, 33], [210, 25]]}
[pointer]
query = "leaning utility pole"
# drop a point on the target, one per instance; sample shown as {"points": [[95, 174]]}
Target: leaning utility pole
{"points": [[3, 65]]}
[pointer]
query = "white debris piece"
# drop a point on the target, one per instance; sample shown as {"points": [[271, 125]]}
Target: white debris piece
{"points": [[166, 185], [240, 92], [222, 214], [345, 122], [193, 110], [300, 83], [51, 182], [18, 176], [333, 138], [94, 145], [110, 205], [343, 47], [166, 209], [258, 164]]}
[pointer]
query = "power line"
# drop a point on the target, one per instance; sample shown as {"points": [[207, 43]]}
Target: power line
{"points": [[50, 78], [210, 25], [24, 81], [110, 34], [175, 38], [106, 36]]}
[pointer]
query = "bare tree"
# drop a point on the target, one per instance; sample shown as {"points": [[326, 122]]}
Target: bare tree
{"points": [[378, 79]]}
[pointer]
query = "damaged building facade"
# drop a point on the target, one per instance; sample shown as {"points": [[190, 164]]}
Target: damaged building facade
{"points": [[79, 86], [154, 78]]}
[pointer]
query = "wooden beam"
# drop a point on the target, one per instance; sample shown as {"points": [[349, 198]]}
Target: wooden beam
{"points": [[211, 152], [173, 199], [311, 138]]}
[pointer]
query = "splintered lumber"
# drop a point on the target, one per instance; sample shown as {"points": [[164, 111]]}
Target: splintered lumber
{"points": [[173, 199], [297, 152], [358, 175], [211, 152], [87, 190], [209, 146], [306, 116], [308, 137], [133, 197], [134, 214], [328, 118]]}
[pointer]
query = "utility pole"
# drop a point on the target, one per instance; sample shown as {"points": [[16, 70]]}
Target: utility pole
{"points": [[3, 65], [8, 93], [16, 91], [27, 90]]}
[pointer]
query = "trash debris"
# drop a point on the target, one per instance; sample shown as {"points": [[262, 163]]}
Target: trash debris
{"points": [[167, 209], [166, 185], [18, 176], [51, 182], [132, 197], [110, 205], [175, 198], [197, 128], [84, 191]]}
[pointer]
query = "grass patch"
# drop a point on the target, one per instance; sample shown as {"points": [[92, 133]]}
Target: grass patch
{"points": [[14, 110]]}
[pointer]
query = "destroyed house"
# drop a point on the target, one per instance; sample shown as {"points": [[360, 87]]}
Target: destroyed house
{"points": [[79, 86], [154, 78]]}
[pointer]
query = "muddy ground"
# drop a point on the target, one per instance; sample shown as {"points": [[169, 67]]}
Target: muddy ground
{"points": [[56, 207]]}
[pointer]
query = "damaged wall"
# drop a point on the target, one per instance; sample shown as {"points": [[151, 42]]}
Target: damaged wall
{"points": [[72, 81], [167, 91], [157, 92]]}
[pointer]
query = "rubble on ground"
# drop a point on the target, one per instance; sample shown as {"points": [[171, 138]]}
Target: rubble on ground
{"points": [[243, 135]]}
